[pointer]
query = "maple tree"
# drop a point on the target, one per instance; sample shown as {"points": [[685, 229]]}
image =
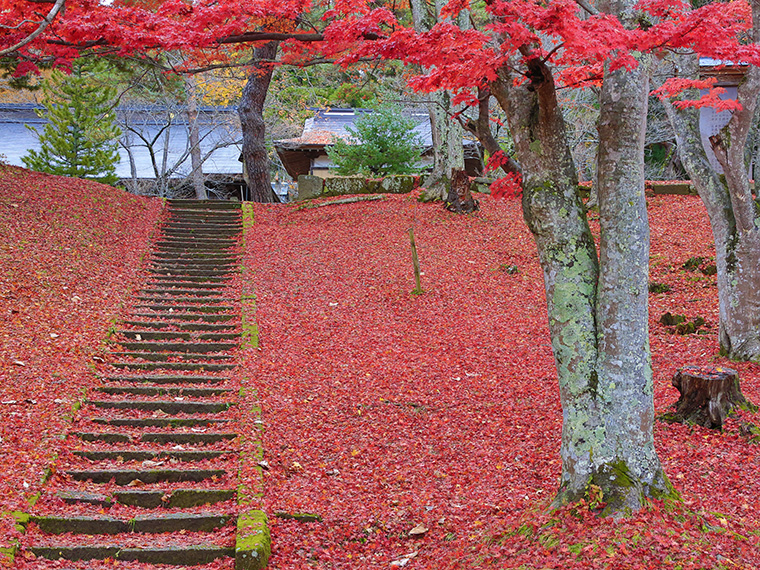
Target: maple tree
{"points": [[597, 305], [728, 199]]}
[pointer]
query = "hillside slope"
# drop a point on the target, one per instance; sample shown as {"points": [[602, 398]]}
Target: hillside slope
{"points": [[70, 253]]}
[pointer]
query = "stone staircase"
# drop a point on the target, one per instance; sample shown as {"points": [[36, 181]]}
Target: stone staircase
{"points": [[149, 472]]}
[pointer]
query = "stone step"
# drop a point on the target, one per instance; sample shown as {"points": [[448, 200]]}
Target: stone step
{"points": [[218, 278], [190, 267], [183, 326], [169, 335], [201, 232], [195, 264], [130, 476], [199, 216], [219, 257], [193, 248], [177, 316], [166, 406], [179, 283], [228, 222], [152, 524], [103, 437], [164, 391], [168, 379], [175, 366], [147, 455], [171, 308], [181, 256], [187, 300], [184, 347], [194, 239], [195, 555], [185, 291], [187, 438], [171, 499], [225, 205], [191, 259], [191, 221], [160, 422], [169, 357], [189, 276]]}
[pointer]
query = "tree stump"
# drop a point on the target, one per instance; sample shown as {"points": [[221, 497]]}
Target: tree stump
{"points": [[708, 396], [460, 198]]}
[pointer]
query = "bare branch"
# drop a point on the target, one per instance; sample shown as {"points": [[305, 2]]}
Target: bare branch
{"points": [[279, 36], [41, 28], [586, 5]]}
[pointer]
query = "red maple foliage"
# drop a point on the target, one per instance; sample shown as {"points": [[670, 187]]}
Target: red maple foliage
{"points": [[71, 253], [384, 411]]}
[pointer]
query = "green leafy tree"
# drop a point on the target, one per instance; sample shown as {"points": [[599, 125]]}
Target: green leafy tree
{"points": [[80, 138], [381, 143]]}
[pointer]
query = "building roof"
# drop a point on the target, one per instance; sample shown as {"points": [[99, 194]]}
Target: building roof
{"points": [[328, 124], [219, 126]]}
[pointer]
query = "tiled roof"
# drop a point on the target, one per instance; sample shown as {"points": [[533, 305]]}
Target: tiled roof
{"points": [[328, 124]]}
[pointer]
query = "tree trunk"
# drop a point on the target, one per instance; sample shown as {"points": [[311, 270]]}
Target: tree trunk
{"points": [[599, 338], [251, 111], [194, 139], [481, 128], [737, 243], [556, 218], [448, 153], [625, 465]]}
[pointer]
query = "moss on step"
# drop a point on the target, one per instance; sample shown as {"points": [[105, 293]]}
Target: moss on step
{"points": [[253, 543]]}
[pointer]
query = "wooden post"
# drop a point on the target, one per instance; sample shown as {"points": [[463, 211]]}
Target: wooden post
{"points": [[416, 263]]}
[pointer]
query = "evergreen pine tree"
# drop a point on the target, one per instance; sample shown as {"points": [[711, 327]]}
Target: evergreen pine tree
{"points": [[381, 143], [81, 137]]}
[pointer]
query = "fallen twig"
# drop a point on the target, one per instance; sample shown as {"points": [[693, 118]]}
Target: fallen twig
{"points": [[341, 201]]}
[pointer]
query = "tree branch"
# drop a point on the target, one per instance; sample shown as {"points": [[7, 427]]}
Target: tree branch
{"points": [[281, 36], [41, 28], [586, 5]]}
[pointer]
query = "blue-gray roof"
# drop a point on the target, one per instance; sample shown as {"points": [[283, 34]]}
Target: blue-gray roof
{"points": [[218, 126]]}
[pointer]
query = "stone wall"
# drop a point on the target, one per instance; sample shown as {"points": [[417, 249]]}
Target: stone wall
{"points": [[310, 187]]}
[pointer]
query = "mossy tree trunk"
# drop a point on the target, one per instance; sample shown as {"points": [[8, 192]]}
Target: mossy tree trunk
{"points": [[448, 152], [626, 466], [599, 335], [731, 210]]}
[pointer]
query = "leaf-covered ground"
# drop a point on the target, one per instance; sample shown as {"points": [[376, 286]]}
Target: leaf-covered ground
{"points": [[70, 255], [424, 430]]}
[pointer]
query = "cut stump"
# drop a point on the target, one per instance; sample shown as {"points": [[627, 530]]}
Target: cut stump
{"points": [[460, 198], [708, 396]]}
